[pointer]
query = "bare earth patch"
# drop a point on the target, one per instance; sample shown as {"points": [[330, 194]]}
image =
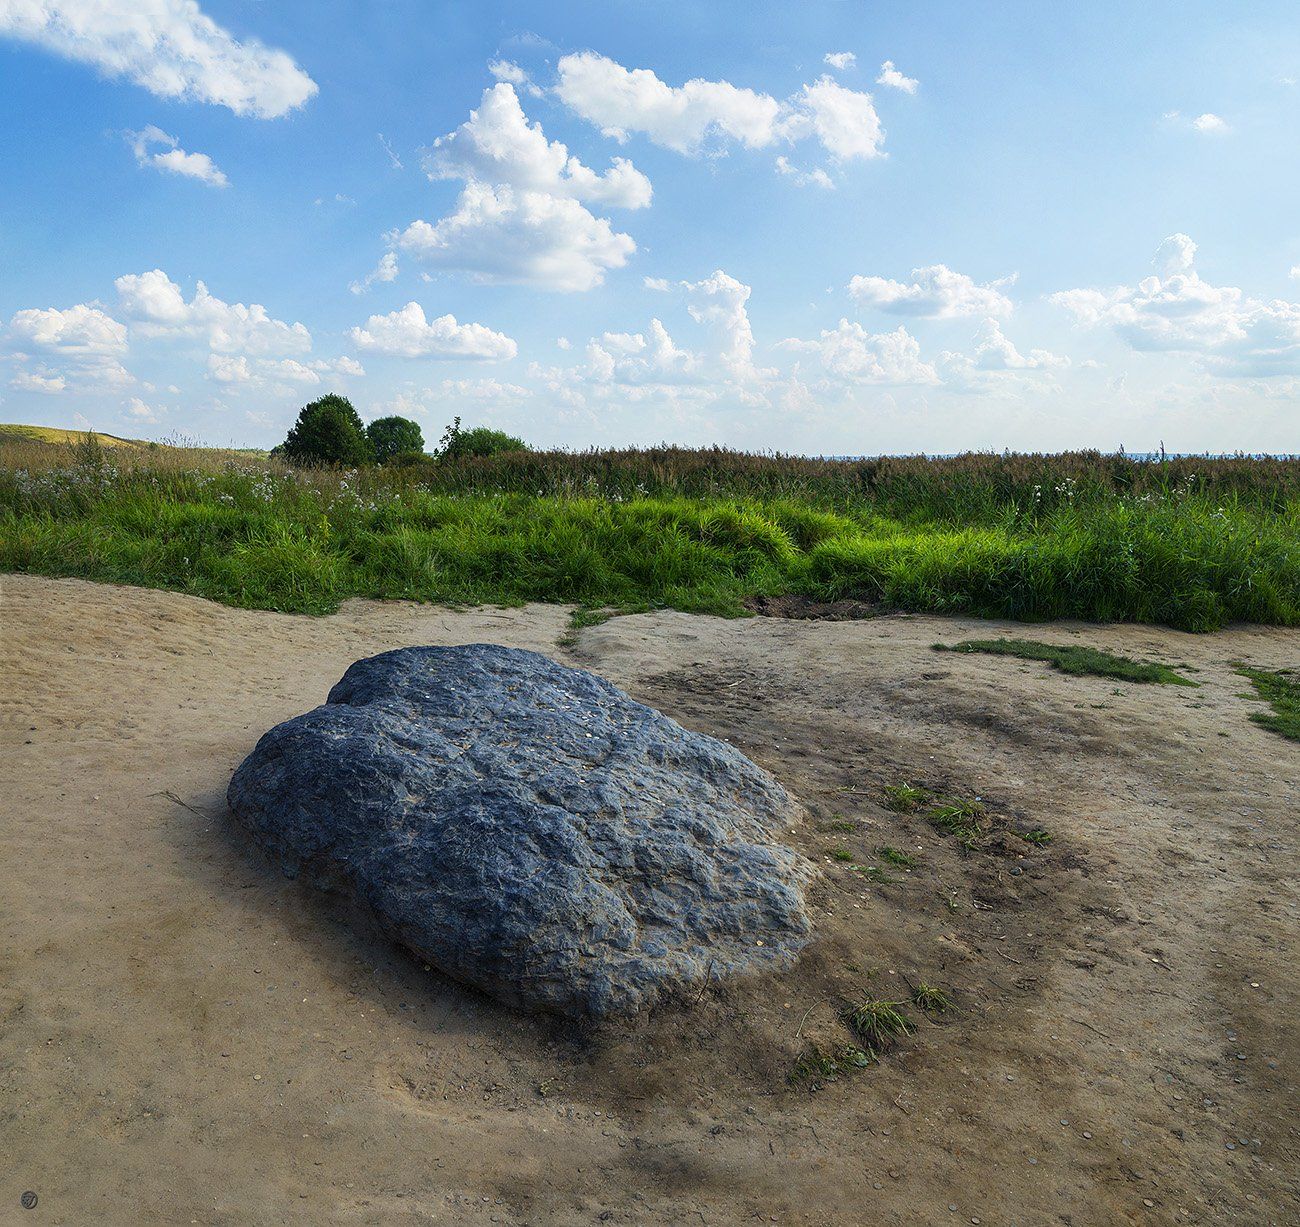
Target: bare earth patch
{"points": [[185, 1036]]}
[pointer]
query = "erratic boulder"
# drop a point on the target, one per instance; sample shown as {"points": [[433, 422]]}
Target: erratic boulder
{"points": [[529, 829]]}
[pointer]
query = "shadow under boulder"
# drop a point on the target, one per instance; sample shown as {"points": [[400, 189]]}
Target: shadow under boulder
{"points": [[530, 829]]}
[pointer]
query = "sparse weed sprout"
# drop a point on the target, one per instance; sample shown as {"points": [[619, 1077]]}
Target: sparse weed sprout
{"points": [[904, 799], [813, 1065], [841, 854], [961, 819], [927, 997], [896, 857], [877, 1023]]}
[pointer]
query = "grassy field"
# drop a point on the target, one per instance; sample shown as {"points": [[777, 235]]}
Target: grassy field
{"points": [[1188, 543], [56, 435]]}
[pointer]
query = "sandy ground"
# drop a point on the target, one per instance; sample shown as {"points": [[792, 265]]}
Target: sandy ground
{"points": [[185, 1037]]}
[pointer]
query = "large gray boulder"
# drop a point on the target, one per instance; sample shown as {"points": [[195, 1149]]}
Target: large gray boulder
{"points": [[529, 829]]}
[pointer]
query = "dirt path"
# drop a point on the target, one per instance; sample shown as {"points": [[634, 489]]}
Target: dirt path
{"points": [[187, 1038]]}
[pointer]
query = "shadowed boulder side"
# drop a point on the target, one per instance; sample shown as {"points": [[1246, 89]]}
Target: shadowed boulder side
{"points": [[530, 829]]}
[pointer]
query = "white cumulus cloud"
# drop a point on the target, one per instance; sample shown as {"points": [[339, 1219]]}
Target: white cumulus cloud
{"points": [[840, 60], [843, 120], [721, 302], [408, 334], [508, 70], [804, 178], [35, 381], [935, 292], [227, 369], [995, 352], [853, 355], [498, 145], [384, 271], [499, 234], [996, 364], [77, 331], [156, 307], [170, 47], [522, 214], [650, 366], [1207, 124], [1176, 311], [154, 147], [707, 114], [890, 76]]}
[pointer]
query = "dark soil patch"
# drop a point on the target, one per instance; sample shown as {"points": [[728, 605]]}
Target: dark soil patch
{"points": [[807, 608]]}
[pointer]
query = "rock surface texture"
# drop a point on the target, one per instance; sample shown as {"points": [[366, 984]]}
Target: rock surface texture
{"points": [[530, 829]]}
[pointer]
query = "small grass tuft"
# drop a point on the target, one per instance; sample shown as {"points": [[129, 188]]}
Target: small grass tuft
{"points": [[927, 997], [1280, 689], [1074, 659], [896, 857], [840, 854], [813, 1065], [1038, 836], [841, 826], [904, 799], [874, 873], [877, 1023], [961, 819]]}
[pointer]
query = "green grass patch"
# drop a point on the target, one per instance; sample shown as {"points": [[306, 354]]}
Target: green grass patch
{"points": [[840, 854], [904, 798], [1280, 689], [1190, 544], [1074, 659], [896, 857], [961, 819]]}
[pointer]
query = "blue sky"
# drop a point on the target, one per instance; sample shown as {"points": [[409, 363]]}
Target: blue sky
{"points": [[1041, 226]]}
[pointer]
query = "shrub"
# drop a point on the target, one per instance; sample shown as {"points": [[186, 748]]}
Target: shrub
{"points": [[394, 436], [328, 431], [480, 441]]}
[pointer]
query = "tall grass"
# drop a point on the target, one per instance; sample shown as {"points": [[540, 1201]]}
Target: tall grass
{"points": [[1192, 544]]}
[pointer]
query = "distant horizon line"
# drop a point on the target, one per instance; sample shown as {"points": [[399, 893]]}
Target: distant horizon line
{"points": [[180, 441]]}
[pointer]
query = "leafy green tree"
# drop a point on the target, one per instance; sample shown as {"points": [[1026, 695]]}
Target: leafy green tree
{"points": [[392, 436], [480, 441], [328, 431]]}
